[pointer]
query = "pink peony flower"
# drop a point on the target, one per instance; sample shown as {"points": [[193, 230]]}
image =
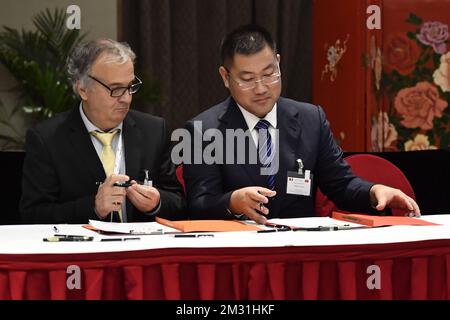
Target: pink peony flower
{"points": [[434, 34], [419, 105]]}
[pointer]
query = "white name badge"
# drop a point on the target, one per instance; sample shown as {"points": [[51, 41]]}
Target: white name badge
{"points": [[299, 184]]}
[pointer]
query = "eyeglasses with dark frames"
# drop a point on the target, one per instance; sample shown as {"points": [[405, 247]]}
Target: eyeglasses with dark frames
{"points": [[118, 92]]}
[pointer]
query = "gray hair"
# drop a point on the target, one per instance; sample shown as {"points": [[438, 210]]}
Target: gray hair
{"points": [[80, 62]]}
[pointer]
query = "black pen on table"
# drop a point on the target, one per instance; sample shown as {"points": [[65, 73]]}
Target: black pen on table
{"points": [[194, 235], [68, 238], [318, 228], [273, 230], [330, 228], [118, 239]]}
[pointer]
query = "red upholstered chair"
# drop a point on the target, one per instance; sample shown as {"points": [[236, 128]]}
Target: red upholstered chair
{"points": [[374, 169], [179, 172]]}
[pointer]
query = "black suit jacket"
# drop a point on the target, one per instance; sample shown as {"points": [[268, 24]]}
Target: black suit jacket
{"points": [[304, 133], [61, 169]]}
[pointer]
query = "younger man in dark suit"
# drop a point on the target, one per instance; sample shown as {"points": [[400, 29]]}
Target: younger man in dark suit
{"points": [[74, 159], [292, 140]]}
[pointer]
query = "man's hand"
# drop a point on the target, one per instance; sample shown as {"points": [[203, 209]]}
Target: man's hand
{"points": [[108, 197], [248, 200], [382, 196], [144, 198]]}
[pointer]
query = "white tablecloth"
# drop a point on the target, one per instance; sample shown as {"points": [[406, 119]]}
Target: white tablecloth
{"points": [[28, 239]]}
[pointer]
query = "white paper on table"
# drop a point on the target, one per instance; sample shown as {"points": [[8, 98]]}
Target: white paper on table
{"points": [[130, 228]]}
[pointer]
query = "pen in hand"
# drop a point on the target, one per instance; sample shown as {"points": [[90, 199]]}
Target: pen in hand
{"points": [[261, 205]]}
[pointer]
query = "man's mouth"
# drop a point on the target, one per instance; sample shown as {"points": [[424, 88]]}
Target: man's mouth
{"points": [[261, 100]]}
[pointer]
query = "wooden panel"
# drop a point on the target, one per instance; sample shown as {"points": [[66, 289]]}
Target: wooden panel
{"points": [[343, 97]]}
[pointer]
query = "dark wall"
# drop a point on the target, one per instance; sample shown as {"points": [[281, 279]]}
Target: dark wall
{"points": [[11, 189], [178, 42]]}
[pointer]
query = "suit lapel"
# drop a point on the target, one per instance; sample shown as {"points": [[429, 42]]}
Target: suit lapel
{"points": [[80, 139], [133, 144], [233, 119], [289, 130]]}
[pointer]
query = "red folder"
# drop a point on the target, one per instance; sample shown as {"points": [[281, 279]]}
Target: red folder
{"points": [[207, 225], [379, 221]]}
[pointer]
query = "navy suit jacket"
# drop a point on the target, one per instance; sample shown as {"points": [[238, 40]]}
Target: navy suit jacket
{"points": [[304, 133], [62, 168]]}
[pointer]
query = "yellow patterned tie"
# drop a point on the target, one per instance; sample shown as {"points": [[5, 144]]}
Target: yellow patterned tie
{"points": [[108, 156]]}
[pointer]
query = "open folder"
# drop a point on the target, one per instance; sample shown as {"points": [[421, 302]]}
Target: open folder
{"points": [[207, 225], [380, 221]]}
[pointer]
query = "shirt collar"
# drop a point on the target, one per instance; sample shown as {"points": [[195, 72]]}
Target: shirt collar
{"points": [[252, 120], [90, 126]]}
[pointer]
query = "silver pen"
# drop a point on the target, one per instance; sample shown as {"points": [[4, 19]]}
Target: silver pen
{"points": [[147, 181]]}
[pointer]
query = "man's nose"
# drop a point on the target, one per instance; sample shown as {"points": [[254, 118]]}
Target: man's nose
{"points": [[260, 87], [126, 97]]}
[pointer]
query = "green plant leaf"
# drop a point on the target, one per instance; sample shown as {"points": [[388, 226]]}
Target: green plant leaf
{"points": [[431, 137], [37, 60], [411, 35], [445, 140], [413, 19], [437, 60], [7, 138]]}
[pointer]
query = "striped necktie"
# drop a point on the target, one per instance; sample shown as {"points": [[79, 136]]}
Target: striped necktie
{"points": [[265, 150]]}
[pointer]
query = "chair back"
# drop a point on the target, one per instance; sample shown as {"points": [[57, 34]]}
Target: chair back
{"points": [[374, 169], [179, 173]]}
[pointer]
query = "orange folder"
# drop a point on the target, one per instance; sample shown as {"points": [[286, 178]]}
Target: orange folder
{"points": [[207, 225], [379, 221]]}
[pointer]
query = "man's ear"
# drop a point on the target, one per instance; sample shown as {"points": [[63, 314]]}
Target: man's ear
{"points": [[224, 74], [81, 91]]}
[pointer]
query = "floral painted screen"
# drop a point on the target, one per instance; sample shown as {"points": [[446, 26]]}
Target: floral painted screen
{"points": [[412, 81]]}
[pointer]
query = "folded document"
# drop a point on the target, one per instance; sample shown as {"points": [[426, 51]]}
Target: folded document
{"points": [[126, 228]]}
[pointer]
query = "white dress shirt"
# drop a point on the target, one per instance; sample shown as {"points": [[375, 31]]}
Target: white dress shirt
{"points": [[252, 120], [99, 147]]}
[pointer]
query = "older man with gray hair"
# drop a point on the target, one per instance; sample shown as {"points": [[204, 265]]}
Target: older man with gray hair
{"points": [[100, 160]]}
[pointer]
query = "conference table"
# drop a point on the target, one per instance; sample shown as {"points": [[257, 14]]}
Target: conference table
{"points": [[394, 262]]}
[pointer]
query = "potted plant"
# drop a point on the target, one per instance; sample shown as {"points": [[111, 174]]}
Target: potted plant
{"points": [[37, 61]]}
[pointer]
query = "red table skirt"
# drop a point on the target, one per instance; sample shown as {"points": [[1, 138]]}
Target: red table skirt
{"points": [[413, 270]]}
